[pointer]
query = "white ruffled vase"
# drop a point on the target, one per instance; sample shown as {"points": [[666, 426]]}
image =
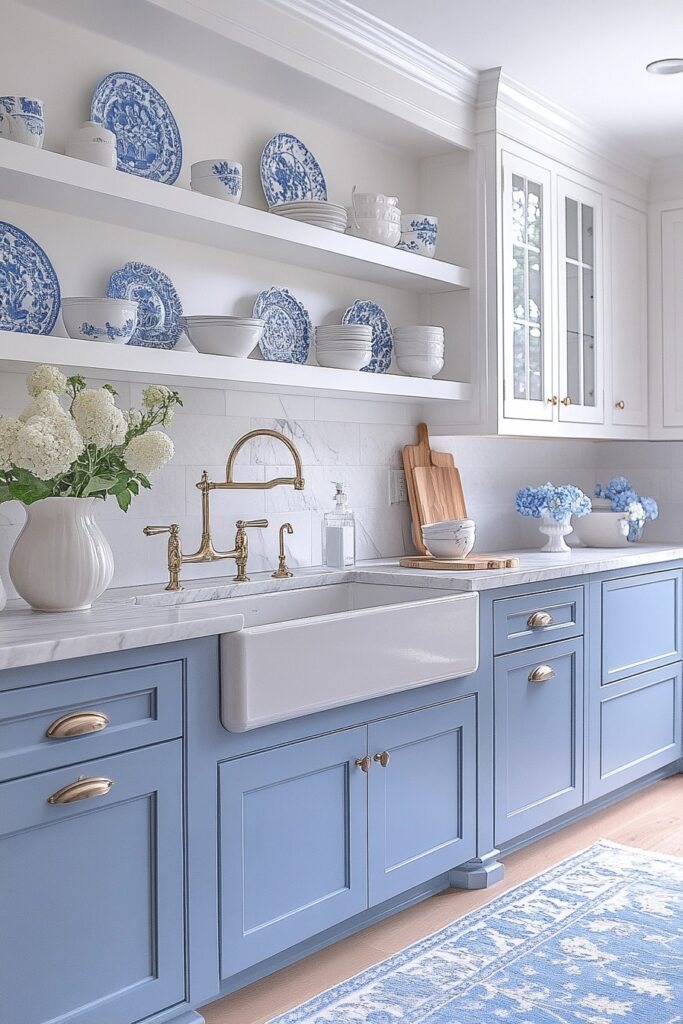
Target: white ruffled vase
{"points": [[61, 560], [555, 532]]}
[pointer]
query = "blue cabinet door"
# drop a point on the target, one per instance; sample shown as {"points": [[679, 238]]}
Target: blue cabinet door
{"points": [[641, 623], [422, 796], [538, 736], [91, 893], [293, 845]]}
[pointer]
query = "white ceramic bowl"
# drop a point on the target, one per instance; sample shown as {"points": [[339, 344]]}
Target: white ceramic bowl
{"points": [[425, 347], [602, 530], [382, 231], [224, 338], [374, 197], [420, 366], [109, 320], [344, 359], [419, 331], [456, 528], [375, 211], [453, 547], [221, 179], [450, 524]]}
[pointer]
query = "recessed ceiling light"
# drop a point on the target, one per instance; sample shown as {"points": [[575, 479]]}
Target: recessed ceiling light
{"points": [[668, 66]]}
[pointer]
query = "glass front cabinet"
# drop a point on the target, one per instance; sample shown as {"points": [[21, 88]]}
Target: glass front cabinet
{"points": [[553, 351]]}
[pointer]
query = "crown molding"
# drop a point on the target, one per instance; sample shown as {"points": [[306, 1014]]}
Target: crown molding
{"points": [[388, 45]]}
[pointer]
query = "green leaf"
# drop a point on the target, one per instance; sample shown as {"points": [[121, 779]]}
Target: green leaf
{"points": [[5, 493], [144, 481], [124, 499], [133, 487], [97, 483]]}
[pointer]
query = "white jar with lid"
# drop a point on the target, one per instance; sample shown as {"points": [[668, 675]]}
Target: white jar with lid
{"points": [[94, 143]]}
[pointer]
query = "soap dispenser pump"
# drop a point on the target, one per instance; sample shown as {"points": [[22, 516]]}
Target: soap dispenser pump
{"points": [[339, 532]]}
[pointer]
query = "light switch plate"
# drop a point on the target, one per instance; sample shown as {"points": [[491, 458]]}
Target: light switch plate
{"points": [[398, 491]]}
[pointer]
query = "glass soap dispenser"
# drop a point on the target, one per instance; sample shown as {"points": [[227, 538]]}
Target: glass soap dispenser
{"points": [[339, 532]]}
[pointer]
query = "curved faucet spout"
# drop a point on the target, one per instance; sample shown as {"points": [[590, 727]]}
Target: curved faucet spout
{"points": [[297, 482]]}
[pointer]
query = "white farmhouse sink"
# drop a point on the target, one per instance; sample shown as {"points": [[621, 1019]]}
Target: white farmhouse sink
{"points": [[303, 651]]}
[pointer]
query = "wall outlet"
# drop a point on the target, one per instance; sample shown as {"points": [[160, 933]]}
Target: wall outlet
{"points": [[398, 490]]}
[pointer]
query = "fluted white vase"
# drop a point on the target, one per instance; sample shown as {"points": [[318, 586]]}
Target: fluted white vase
{"points": [[61, 560], [555, 532]]}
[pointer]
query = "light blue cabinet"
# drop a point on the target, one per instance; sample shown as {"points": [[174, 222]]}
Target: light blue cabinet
{"points": [[539, 736], [293, 845], [91, 893], [640, 623], [422, 796]]}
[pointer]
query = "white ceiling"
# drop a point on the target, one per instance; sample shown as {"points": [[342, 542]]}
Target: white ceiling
{"points": [[587, 55]]}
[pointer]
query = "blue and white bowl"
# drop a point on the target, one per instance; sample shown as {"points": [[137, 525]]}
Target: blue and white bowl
{"points": [[418, 233], [109, 320], [219, 178], [22, 120]]}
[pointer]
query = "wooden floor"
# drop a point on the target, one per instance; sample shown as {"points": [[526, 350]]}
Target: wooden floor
{"points": [[651, 820]]}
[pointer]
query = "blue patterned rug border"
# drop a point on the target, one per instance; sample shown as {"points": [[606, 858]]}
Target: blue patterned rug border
{"points": [[302, 1013]]}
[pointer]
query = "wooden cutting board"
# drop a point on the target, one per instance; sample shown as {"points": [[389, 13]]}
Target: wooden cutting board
{"points": [[472, 562], [421, 455], [438, 490]]}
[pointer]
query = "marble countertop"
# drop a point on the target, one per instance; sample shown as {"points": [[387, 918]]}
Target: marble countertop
{"points": [[143, 616]]}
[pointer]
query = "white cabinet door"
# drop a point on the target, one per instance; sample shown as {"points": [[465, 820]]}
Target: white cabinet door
{"points": [[672, 318], [628, 315], [581, 347], [527, 295]]}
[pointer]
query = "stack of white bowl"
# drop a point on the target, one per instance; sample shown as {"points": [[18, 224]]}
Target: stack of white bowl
{"points": [[454, 538], [344, 346], [376, 217], [314, 211], [419, 350], [224, 335]]}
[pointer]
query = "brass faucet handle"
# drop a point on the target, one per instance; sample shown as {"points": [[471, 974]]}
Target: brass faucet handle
{"points": [[242, 546], [282, 571], [153, 531], [175, 554], [242, 524]]}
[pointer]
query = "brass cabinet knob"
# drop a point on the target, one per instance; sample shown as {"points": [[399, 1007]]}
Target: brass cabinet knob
{"points": [[384, 758], [363, 763], [539, 620], [82, 789], [620, 405], [77, 723], [553, 399], [541, 674], [566, 401]]}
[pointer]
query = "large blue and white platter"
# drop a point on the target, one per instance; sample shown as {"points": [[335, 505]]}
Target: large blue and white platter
{"points": [[29, 289], [365, 311], [289, 171], [287, 335], [147, 136], [159, 306]]}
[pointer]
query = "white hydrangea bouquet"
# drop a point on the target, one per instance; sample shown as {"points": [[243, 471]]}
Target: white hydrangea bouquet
{"points": [[71, 447], [89, 449]]}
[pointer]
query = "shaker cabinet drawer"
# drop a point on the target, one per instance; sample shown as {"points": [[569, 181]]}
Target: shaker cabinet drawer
{"points": [[53, 724], [538, 737], [533, 619], [641, 623]]}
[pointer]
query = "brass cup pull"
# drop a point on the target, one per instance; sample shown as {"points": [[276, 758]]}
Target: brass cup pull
{"points": [[384, 758], [81, 789], [539, 620], [620, 405], [541, 674], [566, 401], [363, 763], [77, 723], [553, 399]]}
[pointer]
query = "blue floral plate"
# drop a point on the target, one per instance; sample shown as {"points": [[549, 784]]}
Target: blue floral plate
{"points": [[159, 307], [147, 136], [289, 171], [29, 289], [365, 311], [286, 337]]}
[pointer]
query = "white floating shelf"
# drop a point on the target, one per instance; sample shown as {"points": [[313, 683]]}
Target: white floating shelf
{"points": [[19, 352], [64, 184]]}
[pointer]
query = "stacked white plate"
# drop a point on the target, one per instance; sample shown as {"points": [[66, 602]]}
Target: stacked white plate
{"points": [[224, 335], [318, 212], [419, 350], [344, 346]]}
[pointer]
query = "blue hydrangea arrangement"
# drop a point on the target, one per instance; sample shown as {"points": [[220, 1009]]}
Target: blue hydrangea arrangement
{"points": [[623, 497], [549, 500]]}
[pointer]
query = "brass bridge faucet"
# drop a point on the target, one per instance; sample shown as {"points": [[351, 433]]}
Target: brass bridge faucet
{"points": [[206, 552]]}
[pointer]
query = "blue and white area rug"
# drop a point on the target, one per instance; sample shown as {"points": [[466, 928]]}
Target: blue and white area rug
{"points": [[598, 939]]}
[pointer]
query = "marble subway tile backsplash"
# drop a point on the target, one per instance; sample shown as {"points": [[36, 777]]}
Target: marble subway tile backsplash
{"points": [[354, 440]]}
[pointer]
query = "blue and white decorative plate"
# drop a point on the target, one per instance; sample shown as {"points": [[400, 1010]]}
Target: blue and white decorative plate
{"points": [[159, 306], [286, 337], [147, 136], [365, 311], [29, 289], [289, 171]]}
